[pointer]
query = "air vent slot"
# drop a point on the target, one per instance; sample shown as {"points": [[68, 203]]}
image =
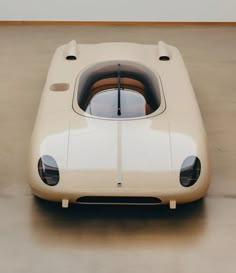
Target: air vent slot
{"points": [[164, 58], [59, 87], [135, 200], [71, 57]]}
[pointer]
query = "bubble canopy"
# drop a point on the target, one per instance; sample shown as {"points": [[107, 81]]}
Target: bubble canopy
{"points": [[118, 90]]}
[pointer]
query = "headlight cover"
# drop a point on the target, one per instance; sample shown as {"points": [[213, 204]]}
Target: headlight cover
{"points": [[190, 171], [48, 170]]}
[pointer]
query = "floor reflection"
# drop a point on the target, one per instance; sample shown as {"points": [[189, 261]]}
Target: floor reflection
{"points": [[123, 225]]}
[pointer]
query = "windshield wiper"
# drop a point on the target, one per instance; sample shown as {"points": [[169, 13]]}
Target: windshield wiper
{"points": [[118, 88]]}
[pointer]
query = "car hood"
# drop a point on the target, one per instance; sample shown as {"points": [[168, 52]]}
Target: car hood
{"points": [[112, 153]]}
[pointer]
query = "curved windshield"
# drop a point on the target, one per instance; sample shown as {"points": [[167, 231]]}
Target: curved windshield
{"points": [[118, 91]]}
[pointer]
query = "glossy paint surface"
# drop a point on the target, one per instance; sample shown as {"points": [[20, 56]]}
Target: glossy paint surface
{"points": [[119, 156]]}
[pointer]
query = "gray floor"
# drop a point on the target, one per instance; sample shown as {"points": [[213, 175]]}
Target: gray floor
{"points": [[39, 237]]}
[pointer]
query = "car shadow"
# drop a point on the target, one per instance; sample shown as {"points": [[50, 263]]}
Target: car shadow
{"points": [[94, 225]]}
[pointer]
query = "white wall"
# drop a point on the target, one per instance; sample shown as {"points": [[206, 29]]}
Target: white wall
{"points": [[120, 10]]}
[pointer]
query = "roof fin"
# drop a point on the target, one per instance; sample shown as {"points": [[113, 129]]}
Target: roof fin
{"points": [[71, 51], [163, 51]]}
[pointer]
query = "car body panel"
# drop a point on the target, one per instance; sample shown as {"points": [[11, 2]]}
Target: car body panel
{"points": [[119, 157]]}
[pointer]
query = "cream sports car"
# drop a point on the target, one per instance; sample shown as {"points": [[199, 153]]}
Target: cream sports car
{"points": [[118, 123]]}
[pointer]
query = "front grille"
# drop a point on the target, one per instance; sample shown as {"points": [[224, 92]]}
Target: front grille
{"points": [[118, 200]]}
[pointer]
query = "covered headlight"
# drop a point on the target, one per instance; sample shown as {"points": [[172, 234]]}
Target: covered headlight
{"points": [[48, 170], [190, 171]]}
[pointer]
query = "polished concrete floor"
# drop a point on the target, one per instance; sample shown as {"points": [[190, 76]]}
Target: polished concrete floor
{"points": [[40, 237]]}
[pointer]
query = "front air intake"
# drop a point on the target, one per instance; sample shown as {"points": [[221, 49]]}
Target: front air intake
{"points": [[118, 200]]}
